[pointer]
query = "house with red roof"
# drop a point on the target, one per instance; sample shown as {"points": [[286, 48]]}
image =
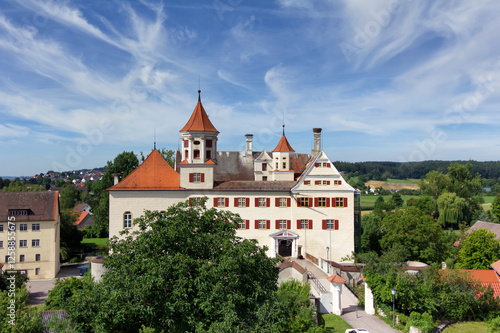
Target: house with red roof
{"points": [[293, 203], [30, 232]]}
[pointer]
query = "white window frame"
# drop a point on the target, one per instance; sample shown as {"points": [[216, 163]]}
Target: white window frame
{"points": [[262, 202], [330, 224], [304, 224], [35, 243], [282, 202], [262, 224], [242, 202], [282, 224], [127, 220], [23, 227], [23, 243], [35, 227], [242, 224]]}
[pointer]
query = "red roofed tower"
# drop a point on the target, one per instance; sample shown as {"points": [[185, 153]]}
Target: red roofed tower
{"points": [[199, 149], [282, 163]]}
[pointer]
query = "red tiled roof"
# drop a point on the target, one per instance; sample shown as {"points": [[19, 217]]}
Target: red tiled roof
{"points": [[252, 185], [486, 277], [199, 121], [80, 216], [41, 206], [496, 266], [283, 145], [335, 279], [292, 264], [153, 174]]}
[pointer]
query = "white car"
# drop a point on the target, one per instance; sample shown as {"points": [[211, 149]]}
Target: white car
{"points": [[356, 330]]}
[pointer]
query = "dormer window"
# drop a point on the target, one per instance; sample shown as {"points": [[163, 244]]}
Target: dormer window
{"points": [[18, 212]]}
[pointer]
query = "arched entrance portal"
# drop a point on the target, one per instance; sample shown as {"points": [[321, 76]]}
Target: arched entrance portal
{"points": [[285, 243]]}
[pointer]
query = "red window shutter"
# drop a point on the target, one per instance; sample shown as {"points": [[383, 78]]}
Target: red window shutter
{"points": [[336, 224], [202, 177], [310, 202], [310, 224], [215, 202], [288, 224], [277, 224], [277, 202], [316, 164], [317, 182], [226, 202], [190, 177], [256, 224], [298, 224], [328, 164], [288, 202], [236, 203], [339, 182], [247, 224], [247, 202], [327, 202], [268, 224], [345, 202], [268, 203], [334, 202], [256, 202], [327, 182], [324, 224], [316, 202], [298, 202]]}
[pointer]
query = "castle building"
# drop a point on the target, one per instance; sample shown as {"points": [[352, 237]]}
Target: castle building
{"points": [[293, 203], [30, 233]]}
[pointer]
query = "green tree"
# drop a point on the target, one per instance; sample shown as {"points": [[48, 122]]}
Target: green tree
{"points": [[478, 250], [396, 200], [495, 206], [184, 272], [18, 186], [123, 164], [453, 209], [420, 234], [370, 238], [70, 235], [70, 196]]}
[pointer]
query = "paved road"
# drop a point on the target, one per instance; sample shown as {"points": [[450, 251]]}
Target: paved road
{"points": [[353, 314], [39, 289]]}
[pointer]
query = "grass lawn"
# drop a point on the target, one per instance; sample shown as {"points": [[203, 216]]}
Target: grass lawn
{"points": [[467, 327], [331, 321], [99, 243], [488, 199]]}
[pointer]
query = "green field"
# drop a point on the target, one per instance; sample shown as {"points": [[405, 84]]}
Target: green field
{"points": [[467, 327], [368, 201], [405, 181], [332, 322], [99, 243]]}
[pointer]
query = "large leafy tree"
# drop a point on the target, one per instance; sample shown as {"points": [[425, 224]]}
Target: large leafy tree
{"points": [[182, 271], [478, 250], [495, 206], [70, 196], [453, 209], [123, 164], [420, 234]]}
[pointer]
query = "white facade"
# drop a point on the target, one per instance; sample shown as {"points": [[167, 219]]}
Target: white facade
{"points": [[289, 211]]}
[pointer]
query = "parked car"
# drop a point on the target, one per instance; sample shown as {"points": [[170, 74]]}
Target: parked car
{"points": [[83, 269], [356, 330]]}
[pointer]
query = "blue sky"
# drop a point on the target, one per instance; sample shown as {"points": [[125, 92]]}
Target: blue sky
{"points": [[81, 81]]}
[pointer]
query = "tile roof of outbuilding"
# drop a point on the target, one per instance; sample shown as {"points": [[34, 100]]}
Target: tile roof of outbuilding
{"points": [[199, 121], [41, 206], [283, 145], [152, 175], [335, 279]]}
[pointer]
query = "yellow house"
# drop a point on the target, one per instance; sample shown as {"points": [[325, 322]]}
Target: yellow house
{"points": [[293, 203], [29, 233]]}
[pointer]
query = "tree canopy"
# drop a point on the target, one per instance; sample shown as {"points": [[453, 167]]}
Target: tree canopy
{"points": [[478, 250], [182, 271]]}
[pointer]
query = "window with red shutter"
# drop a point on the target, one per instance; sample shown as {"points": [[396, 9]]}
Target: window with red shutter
{"points": [[268, 224], [317, 182], [323, 224], [247, 224], [268, 203], [247, 202], [256, 202], [277, 225], [226, 200], [316, 202], [345, 202], [310, 224], [288, 202], [298, 224], [215, 202], [327, 182], [340, 182], [256, 224], [202, 177], [316, 164], [276, 202], [310, 202], [190, 177], [235, 202], [327, 202], [328, 165], [336, 224], [288, 224]]}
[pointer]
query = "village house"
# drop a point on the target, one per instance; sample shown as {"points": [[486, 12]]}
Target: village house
{"points": [[293, 203], [29, 228]]}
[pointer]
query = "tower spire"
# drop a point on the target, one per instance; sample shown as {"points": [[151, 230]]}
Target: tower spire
{"points": [[199, 97], [154, 138]]}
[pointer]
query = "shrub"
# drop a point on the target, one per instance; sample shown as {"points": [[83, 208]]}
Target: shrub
{"points": [[422, 321]]}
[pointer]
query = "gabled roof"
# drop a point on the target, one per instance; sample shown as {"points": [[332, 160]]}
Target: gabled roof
{"points": [[283, 145], [41, 206], [199, 121], [152, 175], [496, 267], [335, 279]]}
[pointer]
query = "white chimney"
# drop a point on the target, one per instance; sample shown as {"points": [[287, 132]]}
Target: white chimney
{"points": [[249, 141], [317, 140], [116, 178]]}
